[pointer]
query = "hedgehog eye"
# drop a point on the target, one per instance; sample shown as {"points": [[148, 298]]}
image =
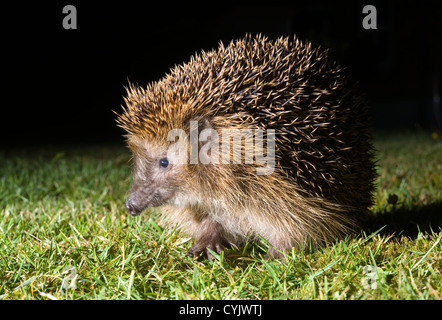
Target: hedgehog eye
{"points": [[164, 163]]}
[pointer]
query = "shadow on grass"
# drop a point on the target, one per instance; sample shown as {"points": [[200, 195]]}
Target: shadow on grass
{"points": [[406, 221]]}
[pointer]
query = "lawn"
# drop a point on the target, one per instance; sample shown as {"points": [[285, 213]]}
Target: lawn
{"points": [[64, 234]]}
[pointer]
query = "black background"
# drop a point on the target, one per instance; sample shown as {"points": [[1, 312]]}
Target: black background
{"points": [[60, 86], [271, 309]]}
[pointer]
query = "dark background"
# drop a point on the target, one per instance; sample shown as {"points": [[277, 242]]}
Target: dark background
{"points": [[60, 86]]}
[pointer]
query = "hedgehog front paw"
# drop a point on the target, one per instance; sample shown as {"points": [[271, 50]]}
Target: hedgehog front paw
{"points": [[216, 244], [211, 236]]}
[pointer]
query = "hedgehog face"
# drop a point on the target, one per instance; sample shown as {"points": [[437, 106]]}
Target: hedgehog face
{"points": [[155, 177]]}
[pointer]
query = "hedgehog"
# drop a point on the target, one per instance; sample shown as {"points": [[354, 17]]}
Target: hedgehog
{"points": [[304, 131]]}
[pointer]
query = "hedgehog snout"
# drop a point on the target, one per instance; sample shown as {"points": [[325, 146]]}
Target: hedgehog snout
{"points": [[139, 200], [136, 202], [132, 207]]}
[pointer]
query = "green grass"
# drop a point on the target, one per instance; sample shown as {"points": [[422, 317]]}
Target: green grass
{"points": [[64, 234]]}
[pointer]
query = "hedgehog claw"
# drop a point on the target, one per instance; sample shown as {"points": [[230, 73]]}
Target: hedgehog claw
{"points": [[216, 244], [233, 245], [200, 248]]}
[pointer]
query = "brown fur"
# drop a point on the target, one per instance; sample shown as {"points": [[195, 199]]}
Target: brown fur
{"points": [[324, 174]]}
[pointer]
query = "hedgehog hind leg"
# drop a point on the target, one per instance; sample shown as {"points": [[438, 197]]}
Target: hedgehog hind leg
{"points": [[211, 236]]}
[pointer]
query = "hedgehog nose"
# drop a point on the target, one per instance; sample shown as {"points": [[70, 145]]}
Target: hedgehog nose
{"points": [[132, 208]]}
